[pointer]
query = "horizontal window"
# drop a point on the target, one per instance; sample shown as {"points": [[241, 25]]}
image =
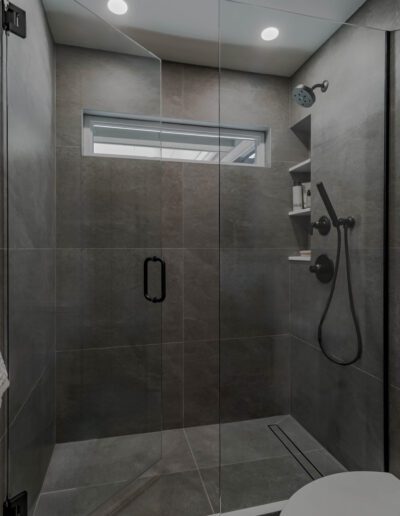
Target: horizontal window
{"points": [[146, 139]]}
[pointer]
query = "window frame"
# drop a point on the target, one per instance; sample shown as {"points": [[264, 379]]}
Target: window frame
{"points": [[260, 135]]}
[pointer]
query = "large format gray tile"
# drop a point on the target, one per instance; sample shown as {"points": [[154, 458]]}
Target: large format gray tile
{"points": [[86, 76], [363, 196], [254, 377], [108, 392], [254, 292], [309, 297], [249, 441], [264, 100], [179, 493], [201, 383], [201, 288], [69, 201], [31, 320], [172, 205], [109, 202], [172, 90], [100, 300], [31, 135], [68, 73], [233, 443], [204, 442], [265, 104], [380, 14], [172, 308], [69, 122], [201, 94], [201, 205], [173, 385], [118, 459], [121, 203], [256, 483], [341, 407], [102, 461], [31, 439], [134, 81], [254, 207], [79, 502]]}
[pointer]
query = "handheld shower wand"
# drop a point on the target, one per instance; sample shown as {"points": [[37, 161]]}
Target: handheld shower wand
{"points": [[328, 205], [347, 224]]}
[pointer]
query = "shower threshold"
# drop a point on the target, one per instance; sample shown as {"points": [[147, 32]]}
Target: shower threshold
{"points": [[270, 509]]}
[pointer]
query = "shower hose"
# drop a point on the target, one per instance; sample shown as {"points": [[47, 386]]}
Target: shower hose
{"points": [[358, 353]]}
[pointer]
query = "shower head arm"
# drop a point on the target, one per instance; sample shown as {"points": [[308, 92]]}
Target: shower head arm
{"points": [[323, 86]]}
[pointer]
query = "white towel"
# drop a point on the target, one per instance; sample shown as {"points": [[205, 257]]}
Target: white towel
{"points": [[4, 382]]}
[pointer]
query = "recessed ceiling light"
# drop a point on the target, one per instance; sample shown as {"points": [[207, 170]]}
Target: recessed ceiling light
{"points": [[270, 33], [117, 6]]}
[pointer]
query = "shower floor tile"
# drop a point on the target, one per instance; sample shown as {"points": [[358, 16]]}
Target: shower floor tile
{"points": [[257, 469]]}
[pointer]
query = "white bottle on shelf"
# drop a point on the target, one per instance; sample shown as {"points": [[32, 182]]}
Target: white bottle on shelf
{"points": [[306, 188], [297, 198]]}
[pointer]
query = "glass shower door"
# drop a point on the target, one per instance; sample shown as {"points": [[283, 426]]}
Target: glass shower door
{"points": [[86, 276]]}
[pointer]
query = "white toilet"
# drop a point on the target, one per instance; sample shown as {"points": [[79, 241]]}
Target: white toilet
{"points": [[347, 494]]}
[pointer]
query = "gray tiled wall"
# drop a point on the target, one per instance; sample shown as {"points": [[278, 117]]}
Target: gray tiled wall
{"points": [[257, 237], [31, 194], [342, 407], [96, 207], [109, 220]]}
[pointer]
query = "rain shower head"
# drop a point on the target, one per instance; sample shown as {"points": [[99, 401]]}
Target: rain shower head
{"points": [[304, 95]]}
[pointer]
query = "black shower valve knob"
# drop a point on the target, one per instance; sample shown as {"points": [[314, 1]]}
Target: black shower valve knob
{"points": [[323, 269], [323, 226]]}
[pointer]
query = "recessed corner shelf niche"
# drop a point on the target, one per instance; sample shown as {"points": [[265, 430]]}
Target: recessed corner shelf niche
{"points": [[301, 173], [302, 168], [300, 258], [300, 213]]}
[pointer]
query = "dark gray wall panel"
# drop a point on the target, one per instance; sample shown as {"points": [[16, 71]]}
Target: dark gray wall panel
{"points": [[32, 228], [341, 407], [347, 150]]}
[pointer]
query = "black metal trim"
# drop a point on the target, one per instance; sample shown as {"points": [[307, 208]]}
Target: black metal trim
{"points": [[14, 19], [386, 254], [16, 506]]}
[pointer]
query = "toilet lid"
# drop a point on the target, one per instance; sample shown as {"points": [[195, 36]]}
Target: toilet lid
{"points": [[347, 494]]}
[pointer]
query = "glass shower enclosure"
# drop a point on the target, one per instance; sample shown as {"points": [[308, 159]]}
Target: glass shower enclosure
{"points": [[170, 260]]}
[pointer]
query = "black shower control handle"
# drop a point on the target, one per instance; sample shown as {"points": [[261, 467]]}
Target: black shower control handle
{"points": [[323, 226], [323, 268], [146, 280]]}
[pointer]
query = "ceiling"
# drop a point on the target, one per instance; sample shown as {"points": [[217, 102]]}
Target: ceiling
{"points": [[187, 30]]}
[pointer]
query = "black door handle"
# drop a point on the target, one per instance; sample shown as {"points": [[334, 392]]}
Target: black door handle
{"points": [[146, 280]]}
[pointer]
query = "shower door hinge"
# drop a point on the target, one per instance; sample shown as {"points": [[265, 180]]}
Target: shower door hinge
{"points": [[16, 506], [14, 19]]}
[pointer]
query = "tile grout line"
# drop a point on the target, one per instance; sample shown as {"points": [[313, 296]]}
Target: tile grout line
{"points": [[198, 471]]}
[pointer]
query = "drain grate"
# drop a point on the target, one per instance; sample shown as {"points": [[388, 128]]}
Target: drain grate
{"points": [[311, 470]]}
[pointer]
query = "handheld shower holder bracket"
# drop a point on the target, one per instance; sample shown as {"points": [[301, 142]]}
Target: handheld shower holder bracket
{"points": [[348, 222]]}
